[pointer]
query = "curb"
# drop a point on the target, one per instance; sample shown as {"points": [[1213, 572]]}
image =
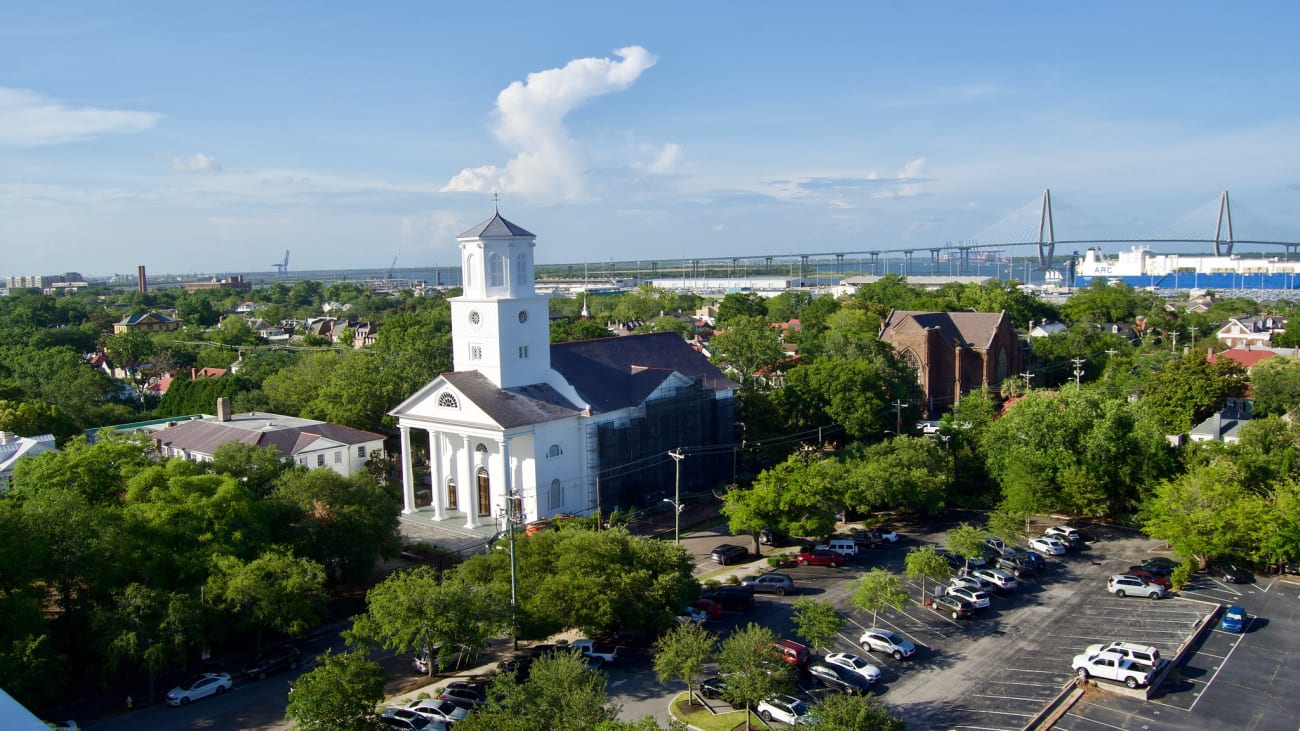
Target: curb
{"points": [[1056, 708]]}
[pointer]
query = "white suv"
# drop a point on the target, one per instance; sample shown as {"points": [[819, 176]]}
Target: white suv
{"points": [[1123, 585], [1000, 579], [784, 708]]}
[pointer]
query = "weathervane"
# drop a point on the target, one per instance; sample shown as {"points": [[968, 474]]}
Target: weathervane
{"points": [[496, 202]]}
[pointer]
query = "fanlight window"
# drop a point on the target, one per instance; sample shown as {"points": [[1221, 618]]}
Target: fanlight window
{"points": [[448, 401], [555, 451]]}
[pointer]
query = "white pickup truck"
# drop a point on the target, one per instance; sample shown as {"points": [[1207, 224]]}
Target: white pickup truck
{"points": [[1112, 666], [594, 650]]}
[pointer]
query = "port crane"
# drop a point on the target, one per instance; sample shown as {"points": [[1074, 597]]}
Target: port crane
{"points": [[282, 266]]}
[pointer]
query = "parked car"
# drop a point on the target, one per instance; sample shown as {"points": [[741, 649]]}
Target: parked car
{"points": [[970, 581], [1016, 565], [955, 607], [838, 678], [732, 598], [1001, 580], [1065, 532], [786, 709], [593, 650], [727, 554], [1125, 584], [1234, 619], [407, 720], [995, 543], [466, 694], [273, 660], [962, 563], [1149, 577], [1229, 573], [691, 615], [437, 709], [452, 659], [1111, 666], [793, 652], [854, 664], [709, 607], [977, 599], [713, 687], [1159, 565], [199, 686], [1035, 561], [883, 640], [819, 557], [1049, 545], [772, 582], [1141, 654]]}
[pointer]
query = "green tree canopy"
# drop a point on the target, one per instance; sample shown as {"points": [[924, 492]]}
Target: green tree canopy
{"points": [[340, 694], [877, 589], [795, 498], [681, 652], [905, 473], [276, 590]]}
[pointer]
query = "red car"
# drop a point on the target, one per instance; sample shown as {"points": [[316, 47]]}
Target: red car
{"points": [[1150, 578], [820, 557], [709, 607]]}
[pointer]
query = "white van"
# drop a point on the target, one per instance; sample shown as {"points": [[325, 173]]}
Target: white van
{"points": [[842, 546]]}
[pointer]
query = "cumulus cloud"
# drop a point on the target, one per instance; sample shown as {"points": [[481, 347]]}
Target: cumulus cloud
{"points": [[28, 119], [907, 183], [668, 157], [196, 163], [530, 121]]}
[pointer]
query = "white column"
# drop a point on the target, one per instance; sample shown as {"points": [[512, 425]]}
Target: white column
{"points": [[507, 475], [408, 478], [468, 486], [438, 479]]}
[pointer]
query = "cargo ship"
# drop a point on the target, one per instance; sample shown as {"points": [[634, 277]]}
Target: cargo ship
{"points": [[1139, 267]]}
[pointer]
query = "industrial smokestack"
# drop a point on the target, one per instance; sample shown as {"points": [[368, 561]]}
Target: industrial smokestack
{"points": [[141, 283], [223, 409]]}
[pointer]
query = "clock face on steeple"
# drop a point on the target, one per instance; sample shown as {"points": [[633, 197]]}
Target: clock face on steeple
{"points": [[523, 316]]}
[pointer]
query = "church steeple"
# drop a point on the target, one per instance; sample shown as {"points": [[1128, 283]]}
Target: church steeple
{"points": [[500, 325]]}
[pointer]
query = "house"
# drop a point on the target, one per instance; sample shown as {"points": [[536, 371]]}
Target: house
{"points": [[1044, 329], [541, 429], [14, 448], [150, 322], [1225, 424], [954, 352], [1250, 332], [307, 442], [1247, 358]]}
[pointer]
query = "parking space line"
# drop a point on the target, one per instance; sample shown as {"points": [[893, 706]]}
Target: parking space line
{"points": [[1007, 698], [1217, 670], [1093, 720]]}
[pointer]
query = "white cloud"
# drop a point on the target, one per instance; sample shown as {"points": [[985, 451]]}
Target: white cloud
{"points": [[196, 163], [907, 184], [28, 119], [669, 156], [530, 121]]}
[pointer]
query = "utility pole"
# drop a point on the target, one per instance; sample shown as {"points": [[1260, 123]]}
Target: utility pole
{"points": [[1078, 370], [1027, 376], [513, 511], [677, 456], [1193, 331], [898, 414]]}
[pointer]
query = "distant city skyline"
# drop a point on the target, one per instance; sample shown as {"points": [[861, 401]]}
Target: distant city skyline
{"points": [[213, 138]]}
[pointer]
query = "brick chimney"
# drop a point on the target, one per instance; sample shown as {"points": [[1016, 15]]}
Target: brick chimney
{"points": [[141, 283], [223, 409]]}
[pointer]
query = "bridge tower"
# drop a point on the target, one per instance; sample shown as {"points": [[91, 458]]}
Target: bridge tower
{"points": [[1222, 247], [1046, 232]]}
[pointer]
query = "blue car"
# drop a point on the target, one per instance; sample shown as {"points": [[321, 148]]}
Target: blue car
{"points": [[1234, 620]]}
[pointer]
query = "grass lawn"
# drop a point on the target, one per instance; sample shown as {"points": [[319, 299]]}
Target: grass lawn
{"points": [[701, 717]]}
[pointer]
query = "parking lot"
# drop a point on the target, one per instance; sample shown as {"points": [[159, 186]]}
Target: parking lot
{"points": [[997, 670]]}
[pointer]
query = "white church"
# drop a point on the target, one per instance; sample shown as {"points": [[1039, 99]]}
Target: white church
{"points": [[569, 428]]}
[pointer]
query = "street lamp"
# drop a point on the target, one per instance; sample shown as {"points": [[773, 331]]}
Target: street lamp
{"points": [[677, 519], [677, 456]]}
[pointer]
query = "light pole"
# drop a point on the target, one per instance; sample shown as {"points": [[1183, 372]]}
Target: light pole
{"points": [[512, 512], [677, 456]]}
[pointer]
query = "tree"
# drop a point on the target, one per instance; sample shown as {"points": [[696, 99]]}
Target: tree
{"points": [[257, 468], [560, 693], [923, 563], [901, 473], [844, 712], [966, 541], [339, 695], [129, 349], [855, 393], [413, 611], [818, 622], [681, 652], [1208, 512], [795, 498], [1187, 389], [566, 331], [1273, 384], [1011, 527], [753, 668], [149, 628], [741, 305], [877, 589], [747, 345], [276, 590], [234, 330], [346, 524]]}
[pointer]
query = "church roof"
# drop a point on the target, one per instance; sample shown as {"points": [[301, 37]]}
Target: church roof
{"points": [[615, 373], [971, 329], [511, 407], [496, 226]]}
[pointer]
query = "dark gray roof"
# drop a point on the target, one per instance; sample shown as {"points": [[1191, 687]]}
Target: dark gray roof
{"points": [[971, 329], [615, 373], [204, 436], [496, 226], [519, 406]]}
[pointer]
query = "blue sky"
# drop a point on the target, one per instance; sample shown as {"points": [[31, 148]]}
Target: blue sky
{"points": [[211, 137]]}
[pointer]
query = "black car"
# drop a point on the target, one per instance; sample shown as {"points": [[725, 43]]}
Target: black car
{"points": [[1160, 566], [713, 687], [1017, 565], [954, 607], [732, 598], [465, 694], [841, 679], [273, 660], [728, 554], [1230, 573]]}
